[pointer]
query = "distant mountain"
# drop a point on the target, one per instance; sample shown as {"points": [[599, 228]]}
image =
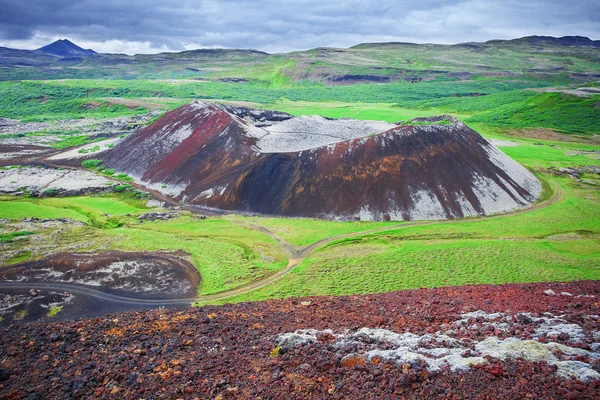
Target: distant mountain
{"points": [[65, 48], [367, 63], [381, 44], [580, 41], [20, 58], [550, 40]]}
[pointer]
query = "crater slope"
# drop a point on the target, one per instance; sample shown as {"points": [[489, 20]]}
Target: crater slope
{"points": [[268, 162]]}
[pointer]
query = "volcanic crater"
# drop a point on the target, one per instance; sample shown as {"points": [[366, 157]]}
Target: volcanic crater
{"points": [[269, 162]]}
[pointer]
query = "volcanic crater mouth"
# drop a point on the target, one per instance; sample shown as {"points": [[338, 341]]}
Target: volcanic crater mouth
{"points": [[313, 131]]}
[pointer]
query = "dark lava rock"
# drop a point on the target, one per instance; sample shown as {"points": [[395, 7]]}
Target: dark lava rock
{"points": [[156, 216], [4, 375]]}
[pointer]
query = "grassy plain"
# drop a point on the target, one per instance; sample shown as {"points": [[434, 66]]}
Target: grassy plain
{"points": [[226, 254], [499, 91], [557, 243], [560, 242]]}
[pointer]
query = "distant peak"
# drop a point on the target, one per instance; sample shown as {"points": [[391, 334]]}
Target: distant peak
{"points": [[65, 48]]}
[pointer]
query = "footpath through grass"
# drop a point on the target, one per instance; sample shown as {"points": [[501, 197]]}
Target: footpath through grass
{"points": [[557, 243]]}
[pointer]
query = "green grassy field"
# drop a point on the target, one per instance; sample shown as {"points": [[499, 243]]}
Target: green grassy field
{"points": [[497, 90], [227, 254], [557, 243], [505, 104], [302, 232], [389, 112]]}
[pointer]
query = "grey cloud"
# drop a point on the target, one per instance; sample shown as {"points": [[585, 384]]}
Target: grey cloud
{"points": [[292, 25]]}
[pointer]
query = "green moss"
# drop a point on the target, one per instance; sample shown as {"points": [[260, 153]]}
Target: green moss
{"points": [[54, 310], [21, 257], [20, 315], [51, 192]]}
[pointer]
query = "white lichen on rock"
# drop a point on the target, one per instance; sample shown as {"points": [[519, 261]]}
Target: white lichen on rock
{"points": [[442, 349]]}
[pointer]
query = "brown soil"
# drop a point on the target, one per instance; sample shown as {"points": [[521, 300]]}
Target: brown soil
{"points": [[229, 351], [549, 134], [132, 104], [91, 105]]}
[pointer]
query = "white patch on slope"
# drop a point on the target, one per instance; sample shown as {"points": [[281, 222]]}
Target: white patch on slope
{"points": [[75, 153], [207, 194], [171, 189], [426, 206], [465, 205], [495, 199], [311, 131], [39, 179], [517, 172]]}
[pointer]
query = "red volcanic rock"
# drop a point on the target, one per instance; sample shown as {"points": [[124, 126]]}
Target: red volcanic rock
{"points": [[267, 162], [234, 351]]}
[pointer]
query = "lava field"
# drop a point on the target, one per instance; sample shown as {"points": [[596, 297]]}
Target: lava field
{"points": [[484, 341]]}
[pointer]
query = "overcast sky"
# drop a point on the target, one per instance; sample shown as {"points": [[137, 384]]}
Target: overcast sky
{"points": [[151, 26]]}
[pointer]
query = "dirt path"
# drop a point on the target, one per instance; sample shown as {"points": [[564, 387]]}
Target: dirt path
{"points": [[303, 253]]}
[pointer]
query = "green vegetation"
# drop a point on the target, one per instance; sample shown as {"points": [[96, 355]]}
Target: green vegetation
{"points": [[19, 257], [50, 192], [89, 150], [557, 243], [54, 310], [73, 141], [520, 92], [20, 315], [302, 232], [19, 208], [93, 163], [8, 237], [418, 264], [275, 352], [368, 111], [124, 177], [497, 103]]}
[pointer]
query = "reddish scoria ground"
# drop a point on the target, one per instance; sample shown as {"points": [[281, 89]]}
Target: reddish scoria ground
{"points": [[231, 351]]}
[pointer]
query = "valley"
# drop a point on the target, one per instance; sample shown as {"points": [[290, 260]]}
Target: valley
{"points": [[178, 192]]}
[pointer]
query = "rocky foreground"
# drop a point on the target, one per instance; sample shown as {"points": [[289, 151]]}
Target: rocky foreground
{"points": [[485, 341]]}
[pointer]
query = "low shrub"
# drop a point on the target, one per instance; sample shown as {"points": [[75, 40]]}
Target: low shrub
{"points": [[93, 163], [50, 192]]}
